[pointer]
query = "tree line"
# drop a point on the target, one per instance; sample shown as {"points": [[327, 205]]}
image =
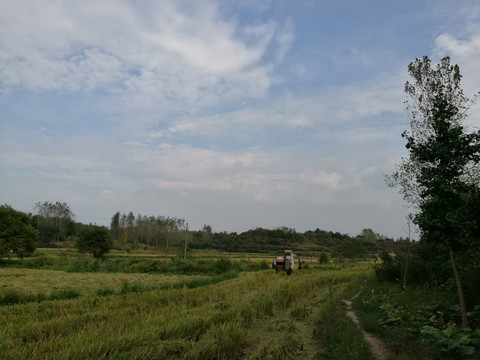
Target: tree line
{"points": [[157, 231], [54, 222]]}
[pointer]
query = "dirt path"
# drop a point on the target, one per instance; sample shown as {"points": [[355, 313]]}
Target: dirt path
{"points": [[377, 347]]}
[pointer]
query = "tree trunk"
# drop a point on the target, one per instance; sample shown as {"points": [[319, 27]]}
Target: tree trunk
{"points": [[461, 299]]}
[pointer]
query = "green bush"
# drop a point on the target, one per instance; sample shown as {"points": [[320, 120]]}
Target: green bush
{"points": [[95, 240]]}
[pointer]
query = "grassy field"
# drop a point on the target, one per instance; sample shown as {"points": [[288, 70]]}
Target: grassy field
{"points": [[115, 315]]}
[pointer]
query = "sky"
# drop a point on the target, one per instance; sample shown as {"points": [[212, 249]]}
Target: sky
{"points": [[234, 114]]}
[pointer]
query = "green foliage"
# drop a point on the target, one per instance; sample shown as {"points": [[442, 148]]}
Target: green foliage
{"points": [[266, 240], [351, 248], [443, 157], [418, 321], [436, 328], [391, 314], [17, 236], [323, 258], [95, 240], [452, 341]]}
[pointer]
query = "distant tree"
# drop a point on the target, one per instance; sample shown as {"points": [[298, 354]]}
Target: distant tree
{"points": [[17, 236], [115, 226], [130, 226], [441, 175], [206, 233], [368, 235], [95, 240], [54, 221], [351, 249]]}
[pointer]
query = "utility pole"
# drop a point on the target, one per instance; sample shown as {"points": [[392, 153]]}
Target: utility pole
{"points": [[186, 237]]}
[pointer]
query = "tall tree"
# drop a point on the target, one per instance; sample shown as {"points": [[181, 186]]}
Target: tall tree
{"points": [[441, 175], [206, 233], [115, 226]]}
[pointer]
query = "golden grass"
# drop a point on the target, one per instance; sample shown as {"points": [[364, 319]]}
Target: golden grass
{"points": [[229, 320]]}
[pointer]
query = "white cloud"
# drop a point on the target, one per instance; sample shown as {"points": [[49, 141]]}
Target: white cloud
{"points": [[465, 51], [155, 55]]}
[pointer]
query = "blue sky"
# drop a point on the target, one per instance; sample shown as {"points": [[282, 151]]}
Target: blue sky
{"points": [[235, 114]]}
